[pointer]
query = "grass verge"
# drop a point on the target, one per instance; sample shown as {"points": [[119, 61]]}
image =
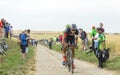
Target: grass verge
{"points": [[13, 64]]}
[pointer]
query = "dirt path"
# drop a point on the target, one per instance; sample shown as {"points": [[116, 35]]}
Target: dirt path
{"points": [[48, 62]]}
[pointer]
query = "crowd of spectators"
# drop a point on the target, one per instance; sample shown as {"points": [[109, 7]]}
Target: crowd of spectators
{"points": [[6, 29]]}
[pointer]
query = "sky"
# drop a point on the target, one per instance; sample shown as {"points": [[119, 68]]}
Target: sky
{"points": [[53, 15]]}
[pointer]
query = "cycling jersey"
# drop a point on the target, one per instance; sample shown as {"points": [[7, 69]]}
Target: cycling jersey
{"points": [[0, 24], [69, 36]]}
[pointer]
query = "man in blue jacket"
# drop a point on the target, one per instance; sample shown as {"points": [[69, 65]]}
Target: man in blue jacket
{"points": [[23, 38]]}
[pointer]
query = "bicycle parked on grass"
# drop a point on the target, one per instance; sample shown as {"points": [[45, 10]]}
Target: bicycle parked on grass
{"points": [[3, 47]]}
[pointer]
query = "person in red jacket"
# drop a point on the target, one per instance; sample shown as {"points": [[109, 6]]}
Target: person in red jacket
{"points": [[60, 37], [1, 28]]}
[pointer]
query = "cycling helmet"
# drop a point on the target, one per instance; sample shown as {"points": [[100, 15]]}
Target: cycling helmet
{"points": [[73, 26], [80, 29], [68, 25]]}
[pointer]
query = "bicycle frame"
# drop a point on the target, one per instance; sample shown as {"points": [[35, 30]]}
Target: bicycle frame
{"points": [[69, 57]]}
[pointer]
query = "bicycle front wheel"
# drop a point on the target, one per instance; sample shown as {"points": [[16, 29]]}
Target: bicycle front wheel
{"points": [[71, 62], [68, 60]]}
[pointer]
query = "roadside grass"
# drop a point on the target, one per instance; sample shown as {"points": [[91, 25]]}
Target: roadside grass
{"points": [[112, 64], [13, 64]]}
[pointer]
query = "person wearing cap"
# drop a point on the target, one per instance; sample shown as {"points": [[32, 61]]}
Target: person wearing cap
{"points": [[69, 37], [99, 39]]}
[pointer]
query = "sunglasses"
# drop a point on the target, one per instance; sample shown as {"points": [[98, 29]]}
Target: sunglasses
{"points": [[73, 29]]}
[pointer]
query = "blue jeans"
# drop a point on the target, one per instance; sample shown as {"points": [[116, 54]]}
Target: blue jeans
{"points": [[95, 45]]}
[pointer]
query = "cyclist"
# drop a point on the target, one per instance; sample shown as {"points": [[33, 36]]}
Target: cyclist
{"points": [[69, 36]]}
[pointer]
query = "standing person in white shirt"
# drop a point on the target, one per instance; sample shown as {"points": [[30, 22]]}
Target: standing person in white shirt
{"points": [[28, 40], [96, 41], [11, 32]]}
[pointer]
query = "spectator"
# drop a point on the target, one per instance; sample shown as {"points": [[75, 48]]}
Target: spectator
{"points": [[19, 40], [36, 42], [86, 42], [11, 32], [101, 26], [54, 39], [50, 43], [32, 42], [7, 29], [23, 38], [60, 38], [93, 33], [84, 39], [99, 39], [4, 26], [28, 40], [57, 39], [1, 28], [103, 31], [96, 39]]}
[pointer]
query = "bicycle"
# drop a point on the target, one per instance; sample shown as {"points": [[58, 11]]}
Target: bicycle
{"points": [[69, 57], [3, 47], [2, 51]]}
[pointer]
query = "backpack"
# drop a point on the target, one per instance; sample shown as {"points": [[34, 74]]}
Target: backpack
{"points": [[83, 35]]}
